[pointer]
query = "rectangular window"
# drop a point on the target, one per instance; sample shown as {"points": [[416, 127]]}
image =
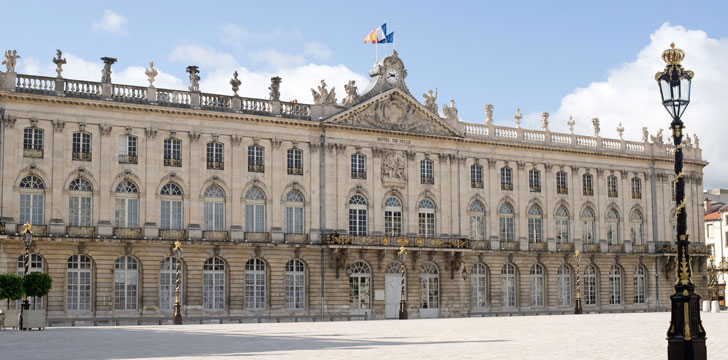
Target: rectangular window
{"points": [[506, 179], [214, 290], [562, 185], [171, 214], [126, 213], [294, 220], [590, 290], [586, 182], [33, 142], [636, 188], [534, 180], [506, 228], [612, 186], [392, 223], [81, 146], [255, 159], [255, 217], [255, 290], [358, 166], [214, 156], [127, 149], [172, 152], [214, 216], [426, 223], [31, 209], [79, 211], [295, 162], [534, 230], [295, 290], [426, 172], [476, 176]]}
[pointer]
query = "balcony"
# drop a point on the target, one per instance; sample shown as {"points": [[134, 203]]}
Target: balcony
{"points": [[128, 159], [476, 184], [81, 231], [128, 233], [215, 165], [562, 190], [212, 235], [542, 246], [259, 168], [480, 244], [588, 192], [510, 245], [257, 237], [612, 193], [295, 171], [427, 180], [591, 247], [639, 248], [535, 188], [395, 242], [33, 153], [172, 162], [37, 230], [295, 238], [506, 186], [361, 175], [616, 248], [2, 228], [81, 156], [566, 247], [173, 234], [636, 195]]}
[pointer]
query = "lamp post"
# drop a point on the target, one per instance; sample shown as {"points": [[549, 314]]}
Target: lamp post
{"points": [[577, 309], [402, 302], [685, 336], [178, 260], [27, 239]]}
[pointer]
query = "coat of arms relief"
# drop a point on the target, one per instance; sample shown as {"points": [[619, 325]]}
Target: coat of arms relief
{"points": [[394, 113], [394, 166]]}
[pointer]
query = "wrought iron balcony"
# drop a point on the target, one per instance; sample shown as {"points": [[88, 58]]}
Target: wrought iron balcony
{"points": [[480, 244], [567, 247], [215, 165], [588, 192], [506, 186], [295, 171], [358, 174], [81, 231], [616, 248], [509, 245], [128, 159], [128, 233], [257, 237], [38, 230], [636, 195], [33, 153], [172, 162], [2, 228], [256, 168], [476, 184], [173, 234], [639, 248], [427, 180], [211, 235], [540, 246], [295, 238], [562, 190], [535, 188], [386, 241], [591, 247], [612, 193], [81, 156]]}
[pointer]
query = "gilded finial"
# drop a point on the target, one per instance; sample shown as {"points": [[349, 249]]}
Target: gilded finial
{"points": [[27, 229], [177, 246], [673, 56]]}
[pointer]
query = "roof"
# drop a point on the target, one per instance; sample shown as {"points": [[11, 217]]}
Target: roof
{"points": [[715, 209]]}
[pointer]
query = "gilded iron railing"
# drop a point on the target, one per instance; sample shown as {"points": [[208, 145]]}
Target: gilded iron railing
{"points": [[128, 233], [81, 231], [212, 235], [173, 234]]}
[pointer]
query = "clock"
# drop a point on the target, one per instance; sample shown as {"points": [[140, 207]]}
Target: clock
{"points": [[392, 76]]}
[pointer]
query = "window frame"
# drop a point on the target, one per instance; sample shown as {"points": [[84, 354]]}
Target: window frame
{"points": [[358, 166], [81, 146], [534, 180], [587, 184], [562, 182], [427, 172], [256, 159], [215, 155], [476, 176], [128, 149], [172, 152], [294, 160], [506, 178]]}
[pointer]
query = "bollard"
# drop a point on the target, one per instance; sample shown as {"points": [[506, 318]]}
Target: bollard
{"points": [[715, 306], [706, 305]]}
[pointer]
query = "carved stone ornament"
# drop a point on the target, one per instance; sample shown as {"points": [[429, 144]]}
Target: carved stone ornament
{"points": [[127, 130], [106, 71], [431, 101], [275, 88], [34, 122], [194, 135], [352, 96], [105, 129], [276, 143], [620, 130], [235, 83], [390, 67], [150, 132], [394, 165], [194, 72], [58, 125], [11, 58], [59, 60], [696, 140], [489, 114], [571, 124], [595, 124], [518, 116], [544, 121], [82, 126], [314, 147], [645, 134], [236, 139], [151, 73], [323, 96], [657, 138]]}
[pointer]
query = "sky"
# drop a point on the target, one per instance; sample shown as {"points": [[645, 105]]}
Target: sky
{"points": [[568, 58]]}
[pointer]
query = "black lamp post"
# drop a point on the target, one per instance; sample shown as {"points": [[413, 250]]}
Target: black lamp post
{"points": [[27, 239], [686, 336], [402, 301], [577, 308], [177, 306]]}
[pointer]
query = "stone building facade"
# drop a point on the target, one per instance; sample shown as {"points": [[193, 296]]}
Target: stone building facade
{"points": [[296, 209]]}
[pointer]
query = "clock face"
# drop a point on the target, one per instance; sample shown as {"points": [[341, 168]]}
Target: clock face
{"points": [[392, 76]]}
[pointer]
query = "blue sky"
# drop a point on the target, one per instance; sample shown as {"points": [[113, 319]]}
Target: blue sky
{"points": [[511, 54]]}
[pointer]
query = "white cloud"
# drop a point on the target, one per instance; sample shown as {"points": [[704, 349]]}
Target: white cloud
{"points": [[275, 59], [630, 95], [317, 50], [112, 23]]}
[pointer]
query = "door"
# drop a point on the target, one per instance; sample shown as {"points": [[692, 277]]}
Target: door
{"points": [[392, 295]]}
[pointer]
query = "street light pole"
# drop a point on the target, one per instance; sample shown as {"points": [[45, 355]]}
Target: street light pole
{"points": [[27, 240], [577, 309], [402, 301], [177, 306], [685, 336]]}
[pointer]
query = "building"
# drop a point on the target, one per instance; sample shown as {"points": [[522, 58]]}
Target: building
{"points": [[288, 208], [716, 234], [716, 195]]}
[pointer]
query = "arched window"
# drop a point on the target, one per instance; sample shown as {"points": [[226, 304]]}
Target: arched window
{"points": [[295, 161], [79, 202], [476, 211], [357, 215], [33, 142], [612, 188], [81, 146], [32, 200], [214, 208], [537, 285], [360, 275], [615, 285], [392, 216], [480, 285], [171, 206], [506, 178], [78, 283], [215, 156], [294, 212], [534, 180], [35, 264], [255, 211], [126, 212], [476, 176], [430, 285], [636, 188], [168, 283], [172, 152], [564, 285], [256, 158], [613, 226], [587, 184], [295, 285], [587, 216], [590, 285], [506, 222], [426, 218], [640, 284], [358, 166], [128, 149], [636, 227], [255, 284], [426, 172], [535, 224], [213, 297], [562, 225], [508, 285], [126, 280]]}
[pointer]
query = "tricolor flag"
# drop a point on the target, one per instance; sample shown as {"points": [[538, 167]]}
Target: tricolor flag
{"points": [[379, 35]]}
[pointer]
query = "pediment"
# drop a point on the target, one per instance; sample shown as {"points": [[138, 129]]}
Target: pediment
{"points": [[394, 110]]}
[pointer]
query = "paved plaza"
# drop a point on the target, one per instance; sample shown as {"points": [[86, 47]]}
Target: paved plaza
{"points": [[603, 336]]}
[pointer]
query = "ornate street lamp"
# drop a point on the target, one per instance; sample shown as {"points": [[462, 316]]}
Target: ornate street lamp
{"points": [[178, 260], [27, 234], [577, 309], [686, 336], [402, 302]]}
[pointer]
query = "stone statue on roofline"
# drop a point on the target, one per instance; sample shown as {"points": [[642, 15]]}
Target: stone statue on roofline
{"points": [[488, 114], [696, 141], [275, 88], [431, 101], [59, 60], [571, 124], [545, 121], [450, 112], [11, 58], [323, 96], [106, 71], [595, 124], [688, 142], [235, 83], [620, 130], [151, 73], [194, 77], [645, 134], [352, 97], [657, 138], [518, 116]]}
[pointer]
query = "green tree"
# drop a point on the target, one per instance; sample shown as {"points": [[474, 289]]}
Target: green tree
{"points": [[11, 287], [37, 284]]}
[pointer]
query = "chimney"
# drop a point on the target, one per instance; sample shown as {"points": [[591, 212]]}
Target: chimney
{"points": [[707, 206]]}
